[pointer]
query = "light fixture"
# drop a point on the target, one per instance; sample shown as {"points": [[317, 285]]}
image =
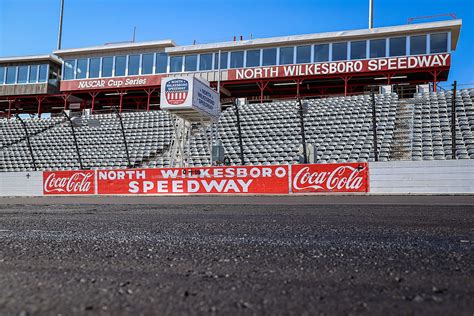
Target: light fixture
{"points": [[284, 84], [394, 77], [115, 93]]}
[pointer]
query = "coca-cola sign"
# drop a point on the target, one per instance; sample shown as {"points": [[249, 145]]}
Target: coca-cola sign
{"points": [[68, 182], [347, 177]]}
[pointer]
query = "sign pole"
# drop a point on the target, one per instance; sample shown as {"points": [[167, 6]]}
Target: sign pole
{"points": [[453, 122]]}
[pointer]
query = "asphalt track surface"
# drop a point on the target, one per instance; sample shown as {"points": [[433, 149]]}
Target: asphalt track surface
{"points": [[237, 256]]}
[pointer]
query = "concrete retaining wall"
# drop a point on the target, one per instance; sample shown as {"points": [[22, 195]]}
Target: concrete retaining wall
{"points": [[422, 177], [396, 177], [21, 183]]}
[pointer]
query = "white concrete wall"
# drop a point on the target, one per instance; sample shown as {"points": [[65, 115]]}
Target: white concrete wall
{"points": [[21, 183], [422, 177], [396, 177]]}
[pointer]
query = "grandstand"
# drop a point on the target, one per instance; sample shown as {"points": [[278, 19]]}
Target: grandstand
{"points": [[333, 72], [418, 128]]}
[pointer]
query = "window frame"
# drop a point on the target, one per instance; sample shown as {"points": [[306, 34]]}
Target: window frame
{"points": [[166, 64], [115, 66], [446, 50], [365, 50], [86, 73], [197, 62], [200, 63], [29, 73], [290, 48], [182, 63], [102, 66], [230, 59], [152, 63], [89, 75], [129, 57], [313, 53], [263, 58], [310, 54], [16, 74], [247, 59], [390, 46]]}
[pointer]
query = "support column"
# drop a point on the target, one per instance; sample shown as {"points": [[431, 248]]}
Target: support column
{"points": [[148, 93], [262, 85], [346, 80], [10, 102], [40, 101], [93, 95], [65, 97], [435, 74], [121, 93], [298, 83]]}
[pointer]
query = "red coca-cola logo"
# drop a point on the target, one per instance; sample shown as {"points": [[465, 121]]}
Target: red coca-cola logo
{"points": [[69, 182], [330, 178]]}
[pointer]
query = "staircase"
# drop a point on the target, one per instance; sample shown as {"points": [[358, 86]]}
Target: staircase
{"points": [[403, 133]]}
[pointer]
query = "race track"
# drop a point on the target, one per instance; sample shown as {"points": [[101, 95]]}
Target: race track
{"points": [[253, 256]]}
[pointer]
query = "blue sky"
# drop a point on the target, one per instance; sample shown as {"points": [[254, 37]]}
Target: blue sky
{"points": [[29, 27]]}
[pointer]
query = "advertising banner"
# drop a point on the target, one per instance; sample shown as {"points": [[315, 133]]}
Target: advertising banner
{"points": [[342, 67], [68, 182], [201, 180], [111, 83], [343, 177]]}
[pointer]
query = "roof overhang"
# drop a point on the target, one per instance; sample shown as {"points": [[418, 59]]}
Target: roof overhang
{"points": [[32, 58], [454, 26], [115, 47]]}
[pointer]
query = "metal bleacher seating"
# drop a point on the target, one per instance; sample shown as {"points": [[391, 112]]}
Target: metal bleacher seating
{"points": [[340, 129]]}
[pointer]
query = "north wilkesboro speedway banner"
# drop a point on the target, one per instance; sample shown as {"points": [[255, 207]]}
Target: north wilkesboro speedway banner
{"points": [[278, 179]]}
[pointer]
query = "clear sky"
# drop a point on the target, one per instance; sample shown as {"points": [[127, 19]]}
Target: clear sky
{"points": [[29, 27]]}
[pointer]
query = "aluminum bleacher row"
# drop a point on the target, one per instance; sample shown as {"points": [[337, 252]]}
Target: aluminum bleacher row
{"points": [[340, 129]]}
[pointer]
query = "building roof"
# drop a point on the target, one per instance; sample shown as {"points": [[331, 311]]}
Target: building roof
{"points": [[451, 25], [30, 58], [115, 47]]}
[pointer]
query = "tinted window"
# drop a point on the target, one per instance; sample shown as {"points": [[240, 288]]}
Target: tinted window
{"points": [[236, 59], [439, 43], [398, 46], [358, 50], [339, 51], [43, 73], [418, 45], [133, 65], [190, 63], [2, 75], [33, 74], [286, 55], [107, 65], [81, 68], [94, 67], [377, 48], [223, 63], [120, 64], [161, 63], [303, 54], [22, 74], [205, 62], [269, 57], [176, 63], [11, 74], [321, 52], [69, 69], [147, 64], [253, 58]]}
